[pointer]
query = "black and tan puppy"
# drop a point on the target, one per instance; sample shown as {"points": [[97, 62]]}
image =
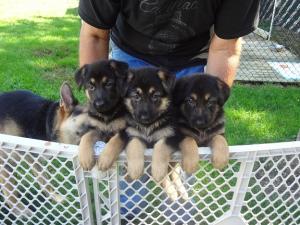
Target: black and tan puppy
{"points": [[199, 99], [25, 114], [150, 123], [102, 82]]}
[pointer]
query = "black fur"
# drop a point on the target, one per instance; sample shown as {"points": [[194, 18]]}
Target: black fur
{"points": [[37, 117], [150, 114], [201, 118], [103, 81], [32, 113], [104, 97]]}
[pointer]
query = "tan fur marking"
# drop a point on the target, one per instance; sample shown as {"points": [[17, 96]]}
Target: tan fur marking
{"points": [[86, 150], [129, 105], [92, 80], [165, 102], [206, 96], [139, 91], [135, 157], [151, 90], [190, 156], [114, 126], [194, 96], [67, 125], [220, 152], [161, 157], [104, 79], [87, 95], [159, 134], [10, 127], [110, 153], [161, 75]]}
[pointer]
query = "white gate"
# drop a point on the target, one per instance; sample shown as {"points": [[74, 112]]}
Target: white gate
{"points": [[42, 183]]}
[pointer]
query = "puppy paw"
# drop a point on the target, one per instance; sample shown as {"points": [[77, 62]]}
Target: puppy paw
{"points": [[87, 162], [135, 158], [135, 169], [160, 160], [220, 158], [86, 150], [190, 156], [190, 164], [220, 152], [105, 162], [159, 170], [110, 152], [86, 158]]}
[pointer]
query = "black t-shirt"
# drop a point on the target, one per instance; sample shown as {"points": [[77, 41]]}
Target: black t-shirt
{"points": [[170, 33]]}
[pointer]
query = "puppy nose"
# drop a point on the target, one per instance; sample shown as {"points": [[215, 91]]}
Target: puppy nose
{"points": [[200, 122], [145, 116], [98, 103]]}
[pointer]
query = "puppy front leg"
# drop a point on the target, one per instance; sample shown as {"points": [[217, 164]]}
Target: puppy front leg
{"points": [[160, 160], [135, 157], [190, 156], [111, 152], [220, 152], [86, 149]]}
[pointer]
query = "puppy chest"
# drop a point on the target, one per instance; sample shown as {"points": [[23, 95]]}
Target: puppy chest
{"points": [[150, 136]]}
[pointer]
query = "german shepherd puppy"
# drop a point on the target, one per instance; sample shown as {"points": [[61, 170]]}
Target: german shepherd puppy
{"points": [[199, 99], [102, 82], [25, 114], [150, 123]]}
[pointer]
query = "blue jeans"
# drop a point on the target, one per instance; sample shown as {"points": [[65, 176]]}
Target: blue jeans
{"points": [[133, 62], [135, 190]]}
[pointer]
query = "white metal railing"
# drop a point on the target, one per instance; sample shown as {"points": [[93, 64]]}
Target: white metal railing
{"points": [[42, 183]]}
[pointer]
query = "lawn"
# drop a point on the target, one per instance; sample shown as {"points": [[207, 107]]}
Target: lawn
{"points": [[39, 53]]}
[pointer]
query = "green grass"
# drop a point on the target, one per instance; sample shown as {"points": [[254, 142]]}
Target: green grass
{"points": [[39, 53]]}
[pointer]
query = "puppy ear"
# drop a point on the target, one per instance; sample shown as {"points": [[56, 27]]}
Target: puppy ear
{"points": [[67, 99], [180, 90], [224, 92], [168, 80], [124, 85], [80, 75], [119, 67]]}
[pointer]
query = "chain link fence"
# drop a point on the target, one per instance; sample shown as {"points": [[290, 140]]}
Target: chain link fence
{"points": [[272, 52], [42, 183]]}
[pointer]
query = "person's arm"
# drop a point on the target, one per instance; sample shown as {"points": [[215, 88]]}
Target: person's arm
{"points": [[223, 58], [94, 44]]}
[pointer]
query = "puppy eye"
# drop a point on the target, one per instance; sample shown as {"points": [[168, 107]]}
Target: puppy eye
{"points": [[136, 97], [190, 101], [109, 84], [91, 86], [156, 97]]}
